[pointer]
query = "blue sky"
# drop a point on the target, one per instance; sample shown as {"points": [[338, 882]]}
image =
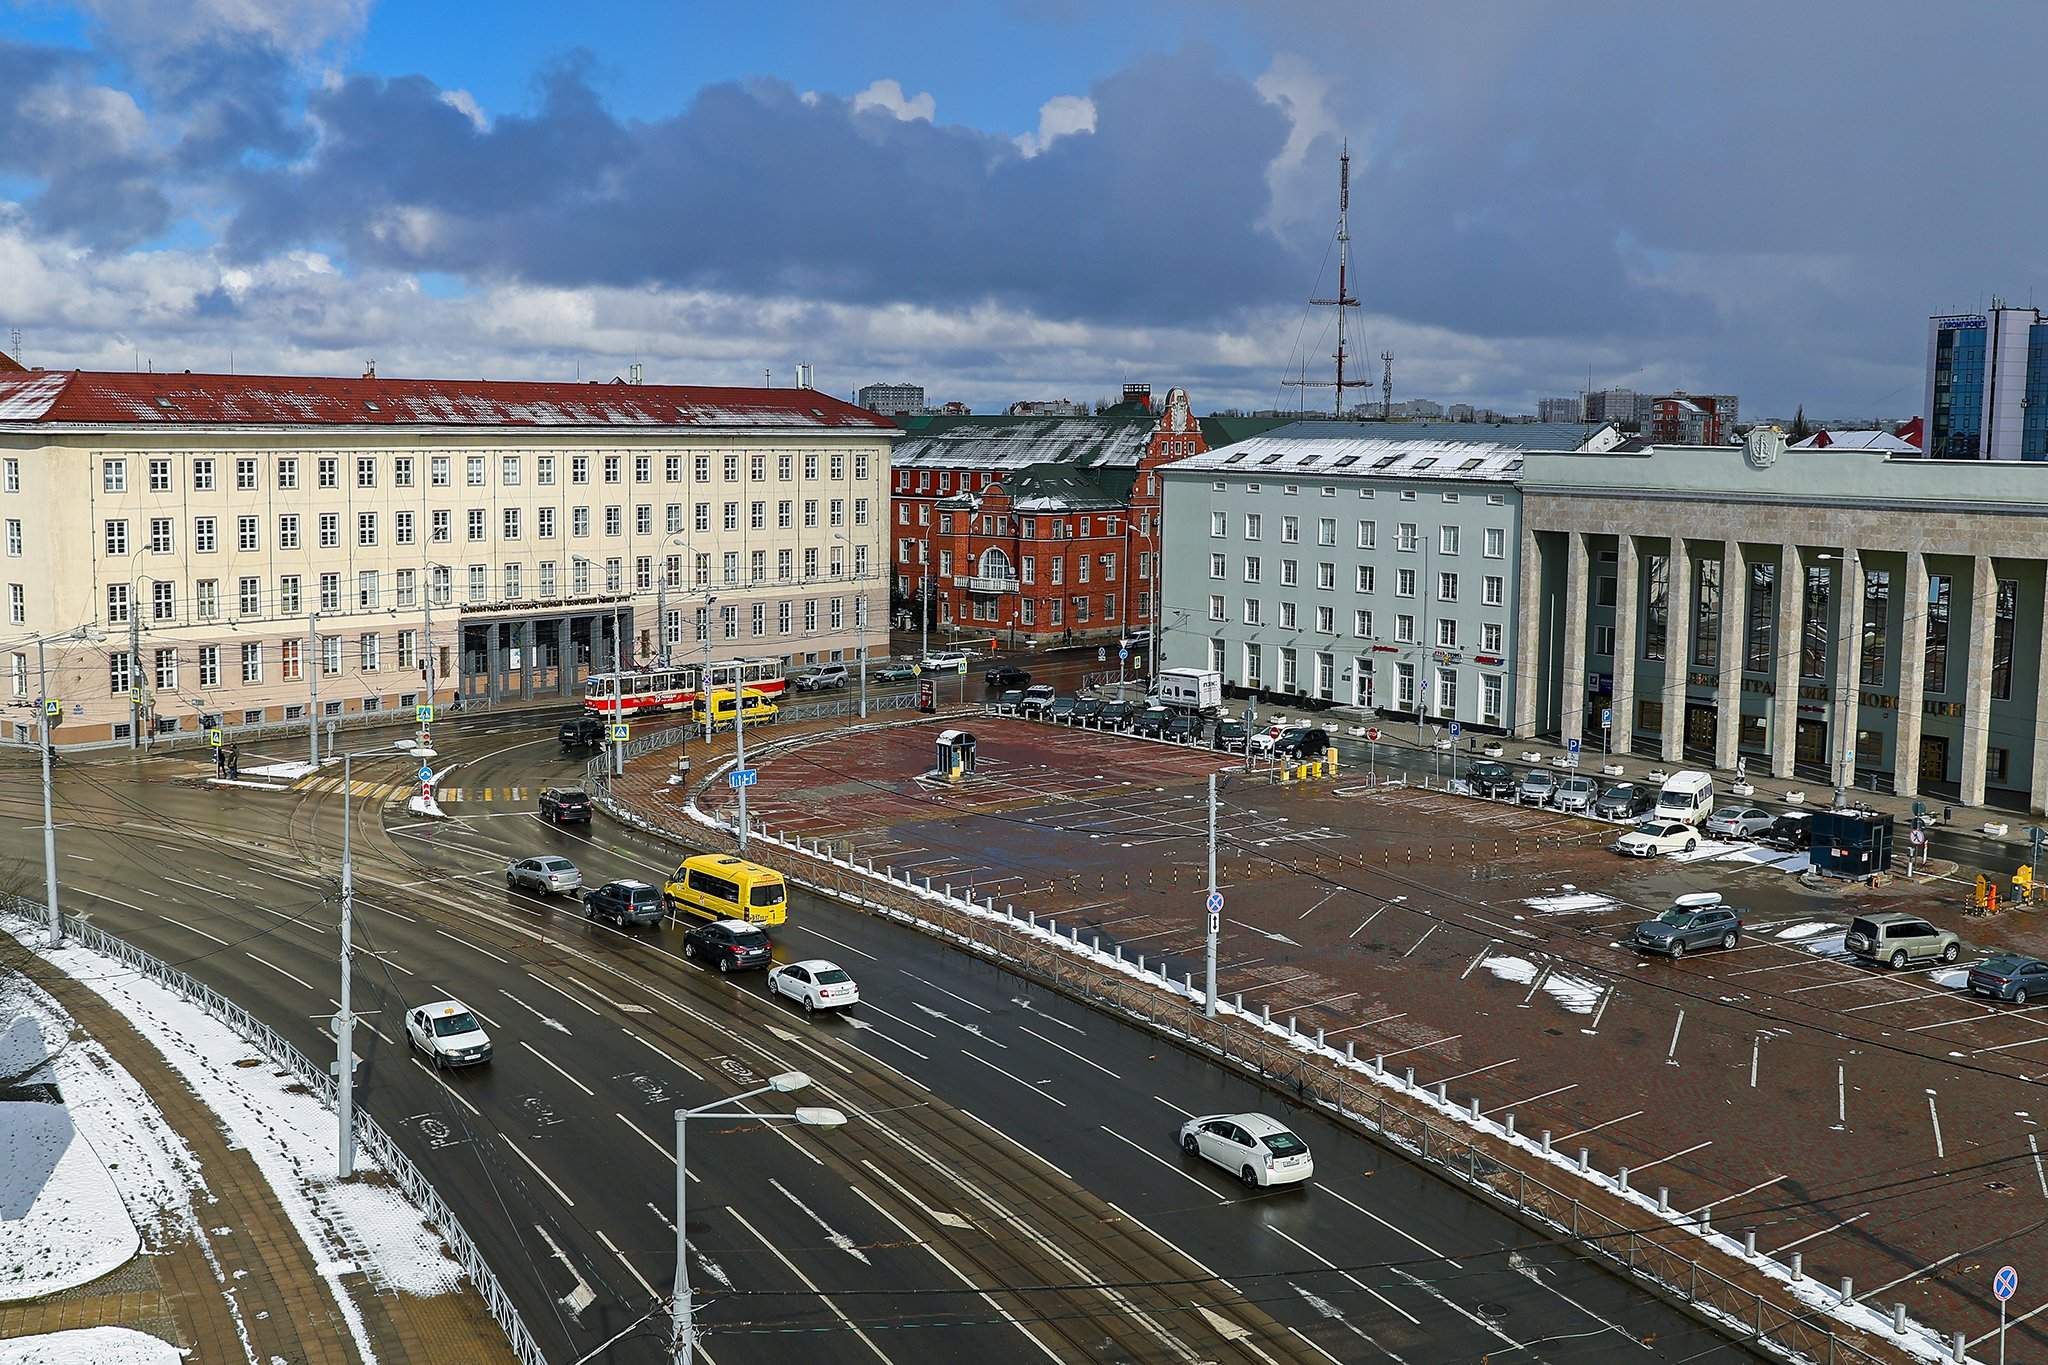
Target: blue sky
{"points": [[1007, 199]]}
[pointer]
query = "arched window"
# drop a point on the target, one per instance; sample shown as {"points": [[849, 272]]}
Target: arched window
{"points": [[995, 564]]}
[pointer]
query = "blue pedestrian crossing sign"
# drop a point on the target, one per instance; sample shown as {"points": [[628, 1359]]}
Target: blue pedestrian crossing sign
{"points": [[214, 737], [53, 708], [1455, 729], [2005, 1283], [426, 773], [1571, 746], [743, 777], [621, 731], [424, 715]]}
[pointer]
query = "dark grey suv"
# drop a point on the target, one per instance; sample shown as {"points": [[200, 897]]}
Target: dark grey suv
{"points": [[1700, 921], [624, 903]]}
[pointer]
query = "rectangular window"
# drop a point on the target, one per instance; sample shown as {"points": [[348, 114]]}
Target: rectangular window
{"points": [[330, 530], [1368, 578], [405, 585], [12, 482], [330, 471], [1252, 569], [443, 526], [1817, 628], [1493, 590], [1404, 686], [330, 592], [547, 578], [1326, 576], [330, 655], [205, 535], [476, 471], [1406, 536], [117, 537], [366, 590], [1287, 616], [366, 471], [14, 538], [1655, 601], [252, 663], [1404, 628], [1361, 624], [209, 665], [159, 535], [120, 677], [1446, 587], [1404, 582], [544, 470], [290, 598], [1326, 620], [1290, 530], [163, 604], [369, 653], [1496, 544], [1489, 638], [437, 471], [612, 469], [206, 599], [113, 476], [1447, 633], [508, 471], [510, 577], [401, 528], [1877, 601], [1252, 525], [408, 649], [1756, 650], [1447, 540], [366, 528], [287, 472], [159, 476], [401, 471], [1368, 535], [479, 582], [1706, 637], [17, 604], [2007, 608], [1490, 698], [510, 519], [1937, 633], [117, 604]]}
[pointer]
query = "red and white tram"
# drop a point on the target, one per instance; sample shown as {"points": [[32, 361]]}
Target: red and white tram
{"points": [[680, 685]]}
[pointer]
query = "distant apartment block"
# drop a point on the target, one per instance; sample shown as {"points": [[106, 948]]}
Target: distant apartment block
{"points": [[1571, 409], [1047, 407], [891, 400], [1987, 385]]}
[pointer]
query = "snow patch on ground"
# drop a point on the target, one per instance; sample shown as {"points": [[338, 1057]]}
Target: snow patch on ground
{"points": [[65, 1222], [286, 771], [90, 1346], [1835, 944], [1955, 978], [1708, 848], [1575, 994], [1806, 930], [1573, 903]]}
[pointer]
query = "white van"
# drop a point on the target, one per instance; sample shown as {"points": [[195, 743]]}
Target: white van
{"points": [[1687, 797]]}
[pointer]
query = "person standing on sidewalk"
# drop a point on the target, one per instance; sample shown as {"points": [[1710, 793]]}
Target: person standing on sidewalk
{"points": [[220, 761], [234, 762]]}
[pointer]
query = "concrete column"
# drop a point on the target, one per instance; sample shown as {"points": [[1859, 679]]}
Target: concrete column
{"points": [[1912, 677], [1977, 681], [565, 657], [1728, 696], [1677, 647], [1572, 709], [525, 635], [1528, 670], [1847, 707], [494, 659], [2037, 764], [1785, 703], [1628, 571]]}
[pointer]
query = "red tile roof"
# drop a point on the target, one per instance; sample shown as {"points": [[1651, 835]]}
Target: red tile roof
{"points": [[87, 398], [9, 365]]}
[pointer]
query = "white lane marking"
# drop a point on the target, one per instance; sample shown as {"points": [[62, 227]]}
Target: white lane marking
{"points": [[666, 1057], [864, 1027], [619, 1005], [447, 1087], [558, 1070], [1185, 1113], [805, 928], [1014, 1142], [1202, 1185], [940, 1216], [1391, 1227], [387, 960], [80, 856], [832, 1234], [811, 1285], [1349, 1276], [196, 930], [579, 1298], [359, 1019], [1013, 1076], [279, 970], [974, 1029], [671, 1156], [872, 1008], [630, 1269], [551, 1023], [541, 981], [1070, 1052], [940, 1258], [1329, 1312], [1024, 1003], [538, 1171], [467, 944], [943, 991], [1521, 1265]]}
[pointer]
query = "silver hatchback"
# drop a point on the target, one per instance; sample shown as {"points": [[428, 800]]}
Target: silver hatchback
{"points": [[547, 874]]}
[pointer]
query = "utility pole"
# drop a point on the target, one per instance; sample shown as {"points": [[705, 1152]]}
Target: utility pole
{"points": [[49, 823], [1215, 911], [860, 626], [739, 744], [135, 673], [429, 657], [924, 562], [313, 684], [345, 1021]]}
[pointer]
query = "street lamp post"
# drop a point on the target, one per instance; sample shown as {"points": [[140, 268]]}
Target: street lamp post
{"points": [[683, 1334], [49, 820], [860, 630], [345, 1021]]}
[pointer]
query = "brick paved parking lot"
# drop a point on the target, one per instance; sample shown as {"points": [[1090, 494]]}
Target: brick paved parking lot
{"points": [[1882, 1125]]}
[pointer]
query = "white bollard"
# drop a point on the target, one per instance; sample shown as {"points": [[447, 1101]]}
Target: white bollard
{"points": [[1749, 1243], [1797, 1273]]}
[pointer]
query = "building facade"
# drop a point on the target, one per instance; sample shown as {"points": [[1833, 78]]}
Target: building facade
{"points": [[1684, 420], [233, 543], [1853, 616], [891, 400], [1571, 409], [1987, 385], [1116, 547], [1326, 562]]}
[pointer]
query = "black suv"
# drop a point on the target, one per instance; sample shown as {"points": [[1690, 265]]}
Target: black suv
{"points": [[1492, 779], [1302, 742], [1151, 722], [1185, 728], [624, 903], [584, 732], [728, 944], [1792, 831], [1008, 675], [1087, 710], [1114, 715], [1231, 735], [565, 805]]}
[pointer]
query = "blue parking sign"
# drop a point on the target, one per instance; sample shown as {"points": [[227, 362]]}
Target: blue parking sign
{"points": [[1571, 746], [1607, 718], [1456, 729]]}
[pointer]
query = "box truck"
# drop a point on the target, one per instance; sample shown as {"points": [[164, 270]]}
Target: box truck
{"points": [[1191, 689]]}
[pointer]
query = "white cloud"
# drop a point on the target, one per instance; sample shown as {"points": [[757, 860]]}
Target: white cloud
{"points": [[1061, 116], [294, 26], [888, 96], [107, 120], [1301, 188], [465, 103]]}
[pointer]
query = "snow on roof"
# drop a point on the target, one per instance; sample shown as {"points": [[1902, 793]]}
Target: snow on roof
{"points": [[1012, 442], [1358, 457], [87, 398], [1855, 440]]}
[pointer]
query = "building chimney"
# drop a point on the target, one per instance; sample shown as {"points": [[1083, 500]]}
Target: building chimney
{"points": [[371, 373], [803, 376]]}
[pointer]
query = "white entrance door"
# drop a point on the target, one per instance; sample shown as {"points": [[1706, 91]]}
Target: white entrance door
{"points": [[1361, 681]]}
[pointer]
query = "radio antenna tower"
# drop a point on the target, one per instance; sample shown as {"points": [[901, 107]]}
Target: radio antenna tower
{"points": [[1344, 299], [1387, 386]]}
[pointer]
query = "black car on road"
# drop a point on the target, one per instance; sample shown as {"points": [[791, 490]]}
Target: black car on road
{"points": [[1493, 779], [565, 805], [1008, 675], [1086, 711], [1114, 715], [1151, 722], [1302, 742], [1231, 735], [1185, 728], [730, 945], [584, 732], [1791, 831]]}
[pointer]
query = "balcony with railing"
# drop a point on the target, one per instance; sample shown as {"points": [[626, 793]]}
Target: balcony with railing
{"points": [[993, 583]]}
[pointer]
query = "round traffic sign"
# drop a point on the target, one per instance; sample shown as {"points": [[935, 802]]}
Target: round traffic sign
{"points": [[2006, 1282], [1918, 838], [1373, 733], [1215, 901]]}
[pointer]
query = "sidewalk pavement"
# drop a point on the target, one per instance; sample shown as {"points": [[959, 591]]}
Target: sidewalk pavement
{"points": [[253, 1253]]}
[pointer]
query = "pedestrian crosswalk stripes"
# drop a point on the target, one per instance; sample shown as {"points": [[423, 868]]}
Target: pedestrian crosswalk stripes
{"points": [[388, 791]]}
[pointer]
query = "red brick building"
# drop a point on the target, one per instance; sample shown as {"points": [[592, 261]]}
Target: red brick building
{"points": [[1035, 529]]}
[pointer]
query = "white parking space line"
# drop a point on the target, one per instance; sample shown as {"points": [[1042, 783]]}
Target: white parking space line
{"points": [[1760, 1185], [1443, 1080], [1369, 1023], [1515, 1104], [1673, 1156], [1609, 1123], [1801, 1241], [2001, 1047], [1434, 1042]]}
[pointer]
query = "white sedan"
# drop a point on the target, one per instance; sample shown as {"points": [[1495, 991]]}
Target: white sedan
{"points": [[1653, 837], [1256, 1149], [815, 984]]}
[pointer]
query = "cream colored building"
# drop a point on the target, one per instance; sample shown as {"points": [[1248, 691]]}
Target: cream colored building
{"points": [[263, 549]]}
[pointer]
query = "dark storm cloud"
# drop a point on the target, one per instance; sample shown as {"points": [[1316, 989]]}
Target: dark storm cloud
{"points": [[754, 188]]}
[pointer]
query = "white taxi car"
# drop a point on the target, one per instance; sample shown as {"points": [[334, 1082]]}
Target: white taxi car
{"points": [[815, 984], [448, 1033], [1257, 1150]]}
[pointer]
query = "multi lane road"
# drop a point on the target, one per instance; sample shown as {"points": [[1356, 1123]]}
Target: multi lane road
{"points": [[1008, 1187]]}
